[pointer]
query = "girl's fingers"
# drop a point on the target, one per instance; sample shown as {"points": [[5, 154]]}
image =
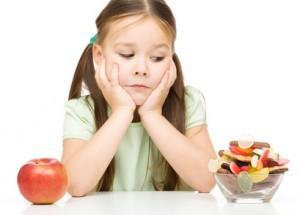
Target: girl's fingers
{"points": [[164, 80], [115, 75], [97, 77], [173, 74], [103, 78], [169, 76]]}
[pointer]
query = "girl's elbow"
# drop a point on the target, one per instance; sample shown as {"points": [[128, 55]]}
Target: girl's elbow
{"points": [[206, 187], [75, 191], [76, 194]]}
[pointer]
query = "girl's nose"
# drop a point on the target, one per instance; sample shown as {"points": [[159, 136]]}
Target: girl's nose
{"points": [[140, 73], [141, 68]]}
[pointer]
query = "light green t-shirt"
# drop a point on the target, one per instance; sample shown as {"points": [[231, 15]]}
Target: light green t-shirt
{"points": [[132, 155]]}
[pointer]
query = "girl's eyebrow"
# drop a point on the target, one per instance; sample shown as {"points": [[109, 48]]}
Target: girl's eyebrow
{"points": [[161, 45]]}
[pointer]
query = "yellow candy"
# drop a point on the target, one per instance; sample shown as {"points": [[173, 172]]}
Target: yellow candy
{"points": [[259, 165], [226, 158], [259, 175], [246, 141], [251, 170]]}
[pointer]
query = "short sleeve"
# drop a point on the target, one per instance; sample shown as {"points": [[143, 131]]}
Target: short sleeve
{"points": [[195, 107], [78, 120]]}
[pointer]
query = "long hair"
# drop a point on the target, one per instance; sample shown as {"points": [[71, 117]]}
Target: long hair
{"points": [[174, 107]]}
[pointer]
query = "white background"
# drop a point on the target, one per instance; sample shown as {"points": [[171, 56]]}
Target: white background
{"points": [[243, 55]]}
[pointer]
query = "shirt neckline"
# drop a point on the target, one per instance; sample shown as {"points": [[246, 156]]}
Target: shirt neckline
{"points": [[135, 124], [132, 124]]}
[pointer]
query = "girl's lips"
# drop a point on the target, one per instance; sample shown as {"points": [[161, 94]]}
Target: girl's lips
{"points": [[138, 86]]}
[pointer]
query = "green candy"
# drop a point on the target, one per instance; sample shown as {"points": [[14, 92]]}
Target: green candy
{"points": [[244, 181]]}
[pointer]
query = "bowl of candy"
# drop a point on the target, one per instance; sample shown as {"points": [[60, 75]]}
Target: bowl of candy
{"points": [[248, 171]]}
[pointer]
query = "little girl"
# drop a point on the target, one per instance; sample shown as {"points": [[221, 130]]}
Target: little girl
{"points": [[139, 127]]}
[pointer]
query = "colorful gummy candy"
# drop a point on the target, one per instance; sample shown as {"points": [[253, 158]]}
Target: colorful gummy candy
{"points": [[250, 161]]}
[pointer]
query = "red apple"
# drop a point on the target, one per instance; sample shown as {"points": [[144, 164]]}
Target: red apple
{"points": [[43, 181]]}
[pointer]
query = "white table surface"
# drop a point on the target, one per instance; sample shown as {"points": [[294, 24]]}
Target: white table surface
{"points": [[149, 203]]}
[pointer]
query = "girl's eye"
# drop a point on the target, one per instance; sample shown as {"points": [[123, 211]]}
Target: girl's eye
{"points": [[126, 55], [157, 59]]}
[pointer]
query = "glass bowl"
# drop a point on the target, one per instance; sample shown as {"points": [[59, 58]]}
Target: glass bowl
{"points": [[260, 192]]}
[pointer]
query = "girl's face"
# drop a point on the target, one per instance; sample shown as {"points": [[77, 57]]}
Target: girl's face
{"points": [[143, 52]]}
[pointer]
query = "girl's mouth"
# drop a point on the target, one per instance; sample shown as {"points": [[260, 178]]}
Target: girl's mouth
{"points": [[139, 86]]}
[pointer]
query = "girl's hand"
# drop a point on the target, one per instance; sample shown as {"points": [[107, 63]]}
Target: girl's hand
{"points": [[155, 101], [115, 95]]}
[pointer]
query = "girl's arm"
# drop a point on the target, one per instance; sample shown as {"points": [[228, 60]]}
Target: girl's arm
{"points": [[86, 162], [188, 155]]}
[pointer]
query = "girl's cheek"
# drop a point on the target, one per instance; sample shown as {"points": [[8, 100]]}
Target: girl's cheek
{"points": [[124, 76], [122, 80], [159, 72]]}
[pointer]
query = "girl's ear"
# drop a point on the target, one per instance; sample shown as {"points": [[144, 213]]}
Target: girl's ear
{"points": [[97, 54]]}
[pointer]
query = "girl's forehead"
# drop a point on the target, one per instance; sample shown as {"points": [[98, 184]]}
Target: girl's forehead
{"points": [[136, 28]]}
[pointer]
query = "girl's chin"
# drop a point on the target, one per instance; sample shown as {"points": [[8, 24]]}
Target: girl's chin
{"points": [[138, 98], [139, 101]]}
